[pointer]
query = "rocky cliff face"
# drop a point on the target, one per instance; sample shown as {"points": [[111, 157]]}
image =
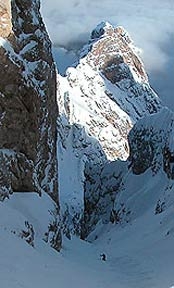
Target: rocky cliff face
{"points": [[28, 109], [100, 100], [125, 190], [151, 144], [148, 184]]}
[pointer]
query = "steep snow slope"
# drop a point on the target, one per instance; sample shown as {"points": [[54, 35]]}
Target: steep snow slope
{"points": [[31, 218], [139, 255], [138, 243], [99, 101]]}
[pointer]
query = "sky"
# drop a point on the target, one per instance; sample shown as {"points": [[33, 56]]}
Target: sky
{"points": [[149, 22]]}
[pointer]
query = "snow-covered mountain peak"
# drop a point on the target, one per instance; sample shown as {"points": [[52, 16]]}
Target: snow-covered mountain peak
{"points": [[108, 85], [105, 28], [112, 51], [99, 101], [100, 30]]}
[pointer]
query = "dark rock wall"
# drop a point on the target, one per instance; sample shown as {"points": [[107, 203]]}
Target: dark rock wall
{"points": [[28, 108]]}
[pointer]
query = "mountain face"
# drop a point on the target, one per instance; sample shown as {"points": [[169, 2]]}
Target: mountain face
{"points": [[28, 109], [100, 100], [111, 151], [115, 152]]}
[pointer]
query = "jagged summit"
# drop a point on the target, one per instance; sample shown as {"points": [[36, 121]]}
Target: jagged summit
{"points": [[112, 51], [100, 30], [105, 28]]}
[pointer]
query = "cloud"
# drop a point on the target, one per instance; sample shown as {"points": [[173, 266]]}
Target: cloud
{"points": [[149, 22]]}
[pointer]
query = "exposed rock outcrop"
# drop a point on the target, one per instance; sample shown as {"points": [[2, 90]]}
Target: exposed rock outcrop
{"points": [[100, 100], [28, 109], [115, 53], [151, 144]]}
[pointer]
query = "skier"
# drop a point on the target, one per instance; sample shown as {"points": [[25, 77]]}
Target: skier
{"points": [[103, 257]]}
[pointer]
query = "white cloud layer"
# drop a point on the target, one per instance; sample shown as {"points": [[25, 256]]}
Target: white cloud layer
{"points": [[149, 22]]}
